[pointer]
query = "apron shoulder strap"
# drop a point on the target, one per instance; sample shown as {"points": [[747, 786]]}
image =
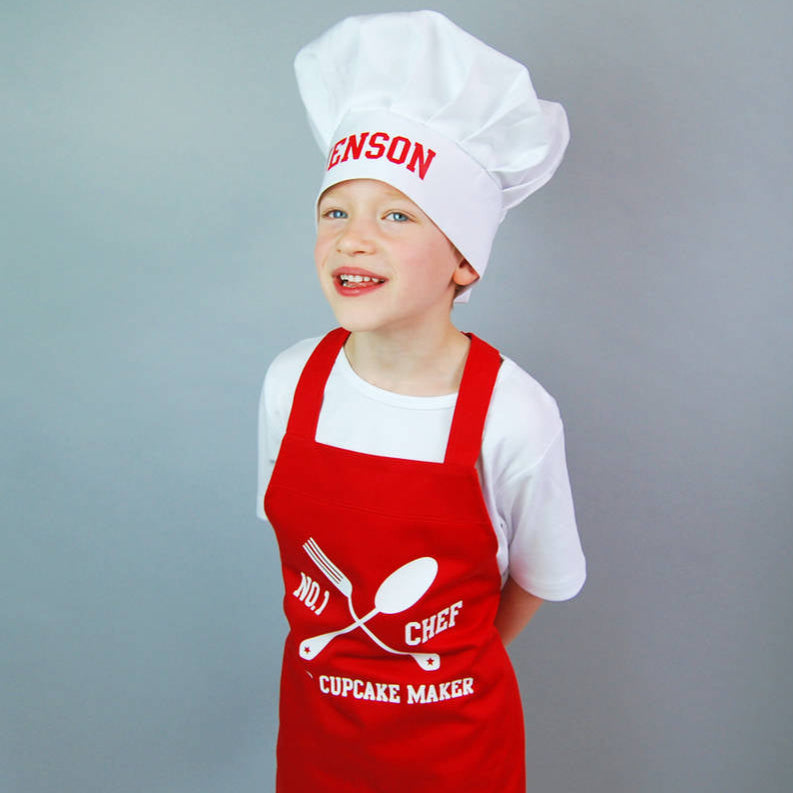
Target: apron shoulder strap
{"points": [[310, 389], [473, 400]]}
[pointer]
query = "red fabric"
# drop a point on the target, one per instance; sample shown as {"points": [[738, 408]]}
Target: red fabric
{"points": [[394, 677]]}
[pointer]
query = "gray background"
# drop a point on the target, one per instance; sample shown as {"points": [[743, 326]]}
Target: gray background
{"points": [[156, 228]]}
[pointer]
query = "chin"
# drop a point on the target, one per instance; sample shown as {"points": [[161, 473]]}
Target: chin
{"points": [[354, 324], [352, 316]]}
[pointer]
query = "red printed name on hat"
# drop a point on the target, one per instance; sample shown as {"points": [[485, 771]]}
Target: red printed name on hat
{"points": [[380, 144]]}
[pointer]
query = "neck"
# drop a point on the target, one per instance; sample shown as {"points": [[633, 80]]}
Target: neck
{"points": [[411, 363]]}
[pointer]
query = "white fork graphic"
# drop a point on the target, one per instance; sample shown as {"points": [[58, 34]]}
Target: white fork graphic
{"points": [[401, 590]]}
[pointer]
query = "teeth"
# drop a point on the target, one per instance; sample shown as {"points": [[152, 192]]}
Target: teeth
{"points": [[359, 279]]}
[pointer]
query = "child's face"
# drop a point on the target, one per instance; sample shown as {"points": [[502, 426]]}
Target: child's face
{"points": [[382, 263]]}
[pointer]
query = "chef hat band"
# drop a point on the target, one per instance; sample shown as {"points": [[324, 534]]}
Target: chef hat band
{"points": [[414, 101]]}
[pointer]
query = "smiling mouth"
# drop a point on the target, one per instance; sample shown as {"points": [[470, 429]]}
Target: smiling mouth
{"points": [[353, 282]]}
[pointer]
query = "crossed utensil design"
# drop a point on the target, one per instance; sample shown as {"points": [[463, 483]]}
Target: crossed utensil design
{"points": [[398, 592]]}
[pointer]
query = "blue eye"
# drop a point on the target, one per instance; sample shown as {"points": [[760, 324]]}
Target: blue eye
{"points": [[398, 217], [335, 214]]}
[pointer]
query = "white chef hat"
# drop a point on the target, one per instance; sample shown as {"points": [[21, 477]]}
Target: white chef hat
{"points": [[412, 100]]}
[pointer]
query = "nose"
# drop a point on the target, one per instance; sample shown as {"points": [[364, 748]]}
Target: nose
{"points": [[355, 238]]}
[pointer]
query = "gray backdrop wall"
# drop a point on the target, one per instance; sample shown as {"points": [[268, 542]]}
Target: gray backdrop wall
{"points": [[156, 232]]}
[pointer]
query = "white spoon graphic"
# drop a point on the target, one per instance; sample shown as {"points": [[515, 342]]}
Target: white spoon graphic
{"points": [[401, 590]]}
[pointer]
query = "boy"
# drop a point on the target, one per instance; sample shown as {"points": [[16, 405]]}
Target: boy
{"points": [[419, 492]]}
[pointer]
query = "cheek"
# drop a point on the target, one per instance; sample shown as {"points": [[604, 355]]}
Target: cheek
{"points": [[321, 246], [446, 260]]}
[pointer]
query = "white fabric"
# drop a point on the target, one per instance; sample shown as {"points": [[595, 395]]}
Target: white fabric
{"points": [[463, 133], [522, 465]]}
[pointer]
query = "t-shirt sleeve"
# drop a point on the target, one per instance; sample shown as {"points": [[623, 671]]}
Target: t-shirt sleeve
{"points": [[527, 488], [268, 443], [545, 555]]}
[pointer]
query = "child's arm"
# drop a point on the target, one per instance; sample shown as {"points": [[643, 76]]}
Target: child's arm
{"points": [[515, 610]]}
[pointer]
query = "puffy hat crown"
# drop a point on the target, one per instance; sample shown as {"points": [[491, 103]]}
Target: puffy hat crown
{"points": [[413, 100]]}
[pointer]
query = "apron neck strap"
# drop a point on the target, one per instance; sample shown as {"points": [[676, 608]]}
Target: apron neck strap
{"points": [[310, 389], [473, 398]]}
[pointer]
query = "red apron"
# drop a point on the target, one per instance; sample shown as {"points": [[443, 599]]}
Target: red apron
{"points": [[394, 678]]}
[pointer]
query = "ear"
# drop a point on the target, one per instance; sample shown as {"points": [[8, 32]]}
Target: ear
{"points": [[464, 275]]}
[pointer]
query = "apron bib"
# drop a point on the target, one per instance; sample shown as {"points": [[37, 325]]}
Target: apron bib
{"points": [[394, 678]]}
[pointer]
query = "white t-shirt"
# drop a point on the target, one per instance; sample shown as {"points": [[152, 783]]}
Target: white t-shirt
{"points": [[522, 467]]}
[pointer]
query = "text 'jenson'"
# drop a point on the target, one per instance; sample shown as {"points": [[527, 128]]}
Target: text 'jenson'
{"points": [[398, 150]]}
